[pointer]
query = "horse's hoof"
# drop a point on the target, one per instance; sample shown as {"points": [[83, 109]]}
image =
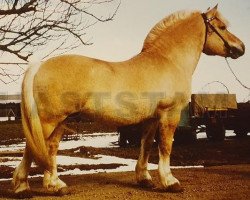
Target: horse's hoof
{"points": [[63, 191], [146, 183], [175, 188], [26, 194]]}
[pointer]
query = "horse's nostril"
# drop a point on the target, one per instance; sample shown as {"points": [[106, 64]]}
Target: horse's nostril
{"points": [[243, 48], [238, 50]]}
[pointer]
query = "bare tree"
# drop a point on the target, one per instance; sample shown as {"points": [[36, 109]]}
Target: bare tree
{"points": [[27, 26], [11, 74]]}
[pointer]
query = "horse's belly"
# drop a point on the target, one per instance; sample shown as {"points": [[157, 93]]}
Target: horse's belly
{"points": [[120, 110]]}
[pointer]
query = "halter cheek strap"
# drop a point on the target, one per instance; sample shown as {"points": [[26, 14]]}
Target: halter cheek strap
{"points": [[208, 24]]}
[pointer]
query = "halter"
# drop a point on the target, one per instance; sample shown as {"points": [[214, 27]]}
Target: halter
{"points": [[208, 24]]}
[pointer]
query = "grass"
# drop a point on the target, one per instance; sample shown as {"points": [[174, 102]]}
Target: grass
{"points": [[11, 130]]}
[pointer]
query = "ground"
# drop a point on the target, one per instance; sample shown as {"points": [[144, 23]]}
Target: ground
{"points": [[226, 173], [220, 182]]}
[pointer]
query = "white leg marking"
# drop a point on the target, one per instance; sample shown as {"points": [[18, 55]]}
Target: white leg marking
{"points": [[20, 174], [166, 176]]}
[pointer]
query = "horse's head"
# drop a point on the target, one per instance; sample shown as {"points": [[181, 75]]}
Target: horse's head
{"points": [[219, 41]]}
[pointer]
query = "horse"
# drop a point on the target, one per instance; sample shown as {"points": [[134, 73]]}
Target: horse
{"points": [[150, 88]]}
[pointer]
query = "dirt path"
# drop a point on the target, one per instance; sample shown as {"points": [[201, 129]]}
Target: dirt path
{"points": [[215, 183]]}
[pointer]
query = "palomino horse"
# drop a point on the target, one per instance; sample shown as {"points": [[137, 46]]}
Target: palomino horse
{"points": [[151, 87]]}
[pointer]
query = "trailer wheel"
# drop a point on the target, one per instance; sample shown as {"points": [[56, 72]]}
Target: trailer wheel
{"points": [[122, 140], [241, 132], [215, 131], [185, 136], [129, 136]]}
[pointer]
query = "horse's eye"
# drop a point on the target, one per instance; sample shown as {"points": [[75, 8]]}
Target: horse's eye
{"points": [[223, 28]]}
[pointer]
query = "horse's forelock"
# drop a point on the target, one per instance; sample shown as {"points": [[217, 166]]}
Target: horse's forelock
{"points": [[222, 18]]}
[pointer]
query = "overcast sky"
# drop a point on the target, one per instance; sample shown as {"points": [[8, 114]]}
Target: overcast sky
{"points": [[123, 38]]}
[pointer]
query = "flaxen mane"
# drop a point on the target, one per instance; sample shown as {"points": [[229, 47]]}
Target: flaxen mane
{"points": [[170, 20], [161, 26]]}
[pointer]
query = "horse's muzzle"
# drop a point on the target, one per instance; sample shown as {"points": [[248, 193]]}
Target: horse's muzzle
{"points": [[236, 51]]}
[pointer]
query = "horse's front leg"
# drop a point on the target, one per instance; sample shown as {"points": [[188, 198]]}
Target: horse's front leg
{"points": [[167, 128]]}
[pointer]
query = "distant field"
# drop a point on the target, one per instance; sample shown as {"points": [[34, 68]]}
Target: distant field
{"points": [[11, 130]]}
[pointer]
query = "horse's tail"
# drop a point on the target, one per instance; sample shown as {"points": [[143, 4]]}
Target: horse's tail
{"points": [[31, 121]]}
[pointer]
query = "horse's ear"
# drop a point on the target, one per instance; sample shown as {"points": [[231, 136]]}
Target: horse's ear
{"points": [[211, 12]]}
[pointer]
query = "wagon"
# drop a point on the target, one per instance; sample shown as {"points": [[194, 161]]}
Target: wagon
{"points": [[241, 121], [210, 113], [214, 111]]}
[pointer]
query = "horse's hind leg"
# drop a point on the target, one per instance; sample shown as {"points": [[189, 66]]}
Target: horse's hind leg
{"points": [[51, 180], [20, 175], [142, 175]]}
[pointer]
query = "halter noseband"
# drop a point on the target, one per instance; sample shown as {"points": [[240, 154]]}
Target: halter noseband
{"points": [[208, 24]]}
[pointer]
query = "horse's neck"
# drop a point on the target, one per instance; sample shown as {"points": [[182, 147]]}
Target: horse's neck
{"points": [[182, 43]]}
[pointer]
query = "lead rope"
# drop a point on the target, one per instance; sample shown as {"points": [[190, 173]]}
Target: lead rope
{"points": [[237, 79]]}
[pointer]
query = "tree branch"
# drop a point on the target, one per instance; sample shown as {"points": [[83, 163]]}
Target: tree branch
{"points": [[27, 26], [27, 7], [7, 77]]}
